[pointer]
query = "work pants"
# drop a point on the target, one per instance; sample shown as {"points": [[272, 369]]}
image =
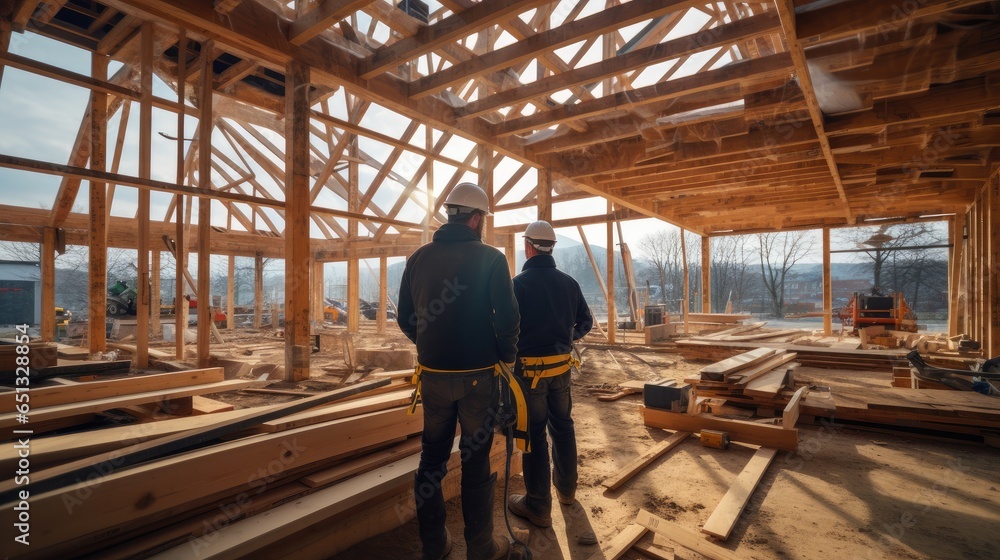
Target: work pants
{"points": [[549, 406]]}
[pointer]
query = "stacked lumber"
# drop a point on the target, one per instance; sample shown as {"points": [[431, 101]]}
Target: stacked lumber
{"points": [[810, 356], [229, 483], [761, 379]]}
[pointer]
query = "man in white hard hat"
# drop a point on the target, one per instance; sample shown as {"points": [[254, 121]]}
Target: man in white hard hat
{"points": [[456, 302], [553, 315]]}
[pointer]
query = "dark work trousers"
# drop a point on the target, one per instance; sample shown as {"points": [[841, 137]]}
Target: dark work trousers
{"points": [[549, 406], [471, 400]]}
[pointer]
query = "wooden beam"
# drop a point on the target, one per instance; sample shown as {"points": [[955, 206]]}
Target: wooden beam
{"points": [[205, 119], [48, 266], [544, 193], [180, 252], [720, 523], [383, 294], [786, 11], [790, 415], [321, 18], [612, 18], [957, 241], [610, 271], [231, 294], [858, 17], [22, 12], [258, 290], [706, 275], [748, 432], [98, 234], [687, 539], [142, 307], [155, 297], [644, 460], [827, 285], [621, 543], [297, 255], [455, 27]]}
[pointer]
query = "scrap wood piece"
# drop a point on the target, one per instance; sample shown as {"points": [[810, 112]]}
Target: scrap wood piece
{"points": [[720, 524], [718, 370], [106, 388], [205, 405], [655, 551], [790, 415], [642, 461], [100, 405], [779, 359], [632, 387], [739, 430], [683, 537], [80, 470], [621, 543]]}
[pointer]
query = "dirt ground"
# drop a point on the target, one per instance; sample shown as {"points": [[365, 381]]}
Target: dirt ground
{"points": [[844, 494]]}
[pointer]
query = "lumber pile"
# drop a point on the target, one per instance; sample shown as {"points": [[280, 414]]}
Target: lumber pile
{"points": [[231, 483], [809, 356], [760, 380]]}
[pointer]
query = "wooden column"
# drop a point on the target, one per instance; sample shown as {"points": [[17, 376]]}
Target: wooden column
{"points": [[231, 295], [827, 285], [706, 275], [98, 230], [685, 305], [991, 271], [426, 234], [510, 251], [956, 238], [142, 304], [297, 254], [48, 264], [544, 195], [155, 327], [180, 246], [353, 264], [612, 313], [258, 290], [485, 157], [205, 204], [5, 33], [317, 292], [383, 294]]}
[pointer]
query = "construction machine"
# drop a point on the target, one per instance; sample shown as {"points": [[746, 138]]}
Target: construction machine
{"points": [[865, 310]]}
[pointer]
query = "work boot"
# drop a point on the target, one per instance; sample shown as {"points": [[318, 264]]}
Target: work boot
{"points": [[566, 499], [518, 505], [431, 515], [477, 510]]}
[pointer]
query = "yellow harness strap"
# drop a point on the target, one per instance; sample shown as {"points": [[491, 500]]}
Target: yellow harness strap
{"points": [[419, 370], [537, 367]]}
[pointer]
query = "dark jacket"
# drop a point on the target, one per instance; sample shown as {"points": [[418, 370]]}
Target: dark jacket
{"points": [[553, 311], [456, 302]]}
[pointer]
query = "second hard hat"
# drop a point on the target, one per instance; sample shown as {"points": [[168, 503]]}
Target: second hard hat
{"points": [[469, 195], [540, 231]]}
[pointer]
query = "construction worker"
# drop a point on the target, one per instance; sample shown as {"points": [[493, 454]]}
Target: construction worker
{"points": [[553, 315], [456, 302]]}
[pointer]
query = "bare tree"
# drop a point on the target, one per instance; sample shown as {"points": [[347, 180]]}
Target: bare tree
{"points": [[731, 272], [778, 253], [663, 251]]}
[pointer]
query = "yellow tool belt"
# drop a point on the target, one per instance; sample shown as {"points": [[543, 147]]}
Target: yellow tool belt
{"points": [[537, 367], [498, 369]]}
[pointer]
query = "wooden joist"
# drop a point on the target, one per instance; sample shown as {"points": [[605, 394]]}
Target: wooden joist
{"points": [[779, 359], [683, 537], [621, 543], [718, 370], [724, 518], [647, 457], [739, 430]]}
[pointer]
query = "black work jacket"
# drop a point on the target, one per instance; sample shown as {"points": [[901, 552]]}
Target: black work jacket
{"points": [[456, 302], [553, 311]]}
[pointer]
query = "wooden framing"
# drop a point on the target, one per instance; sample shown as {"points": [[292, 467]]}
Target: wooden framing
{"points": [[297, 256]]}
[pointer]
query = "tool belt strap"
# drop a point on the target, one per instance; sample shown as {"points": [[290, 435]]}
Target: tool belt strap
{"points": [[537, 367], [520, 429], [420, 370]]}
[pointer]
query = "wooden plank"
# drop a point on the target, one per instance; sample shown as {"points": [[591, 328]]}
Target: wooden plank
{"points": [[720, 523], [718, 317], [124, 499], [718, 370], [97, 232], [683, 537], [92, 390], [298, 347], [768, 385], [56, 449], [340, 410], [204, 405], [620, 544], [748, 432], [779, 359], [654, 551], [363, 464], [647, 457], [99, 405], [66, 474], [790, 415]]}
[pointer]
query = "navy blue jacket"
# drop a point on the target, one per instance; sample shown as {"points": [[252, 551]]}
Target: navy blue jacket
{"points": [[456, 302], [553, 311]]}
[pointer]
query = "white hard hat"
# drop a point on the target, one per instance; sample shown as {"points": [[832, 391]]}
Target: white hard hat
{"points": [[540, 231], [468, 195], [541, 236]]}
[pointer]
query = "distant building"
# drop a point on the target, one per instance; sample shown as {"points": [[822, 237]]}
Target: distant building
{"points": [[20, 293]]}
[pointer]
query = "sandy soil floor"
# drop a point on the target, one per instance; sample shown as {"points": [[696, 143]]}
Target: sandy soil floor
{"points": [[844, 494]]}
